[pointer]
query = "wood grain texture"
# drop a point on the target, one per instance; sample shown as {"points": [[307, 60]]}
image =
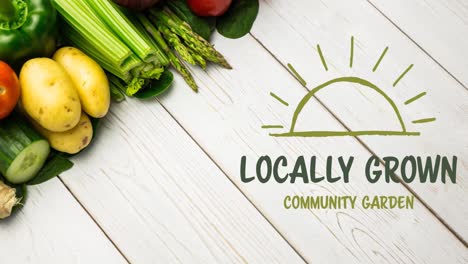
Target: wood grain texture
{"points": [[161, 199], [53, 228], [151, 182], [225, 118], [439, 27], [303, 24]]}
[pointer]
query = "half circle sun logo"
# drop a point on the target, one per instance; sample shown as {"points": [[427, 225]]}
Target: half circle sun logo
{"points": [[402, 130]]}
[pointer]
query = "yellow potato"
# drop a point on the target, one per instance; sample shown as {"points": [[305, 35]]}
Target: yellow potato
{"points": [[71, 141], [48, 95], [89, 79]]}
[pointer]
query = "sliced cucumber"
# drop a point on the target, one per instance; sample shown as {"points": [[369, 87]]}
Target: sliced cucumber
{"points": [[23, 151], [28, 163]]}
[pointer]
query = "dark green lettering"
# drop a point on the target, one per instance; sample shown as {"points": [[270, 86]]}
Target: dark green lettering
{"points": [[404, 175], [373, 161], [300, 170], [427, 170], [284, 163], [261, 160]]}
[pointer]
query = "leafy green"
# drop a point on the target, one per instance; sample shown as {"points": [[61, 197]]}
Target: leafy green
{"points": [[211, 22], [201, 26], [156, 87], [55, 165], [96, 123], [239, 19]]}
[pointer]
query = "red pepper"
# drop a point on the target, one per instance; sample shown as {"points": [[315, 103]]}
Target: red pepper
{"points": [[209, 7], [9, 89]]}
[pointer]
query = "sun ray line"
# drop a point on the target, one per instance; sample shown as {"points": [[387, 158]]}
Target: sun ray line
{"points": [[297, 75], [402, 75], [324, 63], [279, 99], [380, 59], [351, 57], [272, 126], [424, 120], [411, 100]]}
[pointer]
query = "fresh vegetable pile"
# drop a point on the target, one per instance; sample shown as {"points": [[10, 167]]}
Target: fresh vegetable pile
{"points": [[73, 56]]}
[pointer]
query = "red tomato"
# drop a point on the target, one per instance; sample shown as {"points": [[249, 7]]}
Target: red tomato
{"points": [[209, 7], [9, 89]]}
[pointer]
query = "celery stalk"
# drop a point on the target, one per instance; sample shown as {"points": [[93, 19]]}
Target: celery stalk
{"points": [[78, 16], [162, 57], [132, 62], [114, 18], [116, 90], [134, 86]]}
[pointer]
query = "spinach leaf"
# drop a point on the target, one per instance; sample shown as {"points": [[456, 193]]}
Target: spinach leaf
{"points": [[156, 87], [239, 19], [55, 165], [201, 26], [211, 23]]}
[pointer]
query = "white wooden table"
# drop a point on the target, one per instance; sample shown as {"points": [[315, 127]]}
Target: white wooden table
{"points": [[161, 184]]}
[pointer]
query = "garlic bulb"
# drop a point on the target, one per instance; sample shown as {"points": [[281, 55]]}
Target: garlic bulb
{"points": [[7, 200]]}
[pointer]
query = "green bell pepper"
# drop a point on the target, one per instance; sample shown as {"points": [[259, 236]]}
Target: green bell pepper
{"points": [[28, 29]]}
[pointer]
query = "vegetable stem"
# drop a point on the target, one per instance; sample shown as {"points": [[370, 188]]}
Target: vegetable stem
{"points": [[8, 11], [175, 43], [175, 61], [116, 88], [79, 15], [168, 19], [113, 16], [198, 59]]}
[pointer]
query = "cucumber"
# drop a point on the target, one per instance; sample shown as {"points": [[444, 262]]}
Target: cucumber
{"points": [[23, 151]]}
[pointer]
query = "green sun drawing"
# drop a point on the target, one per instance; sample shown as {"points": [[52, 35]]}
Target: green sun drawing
{"points": [[402, 131]]}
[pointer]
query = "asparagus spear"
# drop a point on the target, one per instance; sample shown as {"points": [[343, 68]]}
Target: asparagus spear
{"points": [[219, 58], [173, 59], [182, 69], [192, 39], [198, 59], [176, 44]]}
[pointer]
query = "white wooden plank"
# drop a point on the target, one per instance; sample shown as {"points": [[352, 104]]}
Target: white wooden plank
{"points": [[161, 199], [225, 119], [300, 25], [439, 27], [53, 228]]}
